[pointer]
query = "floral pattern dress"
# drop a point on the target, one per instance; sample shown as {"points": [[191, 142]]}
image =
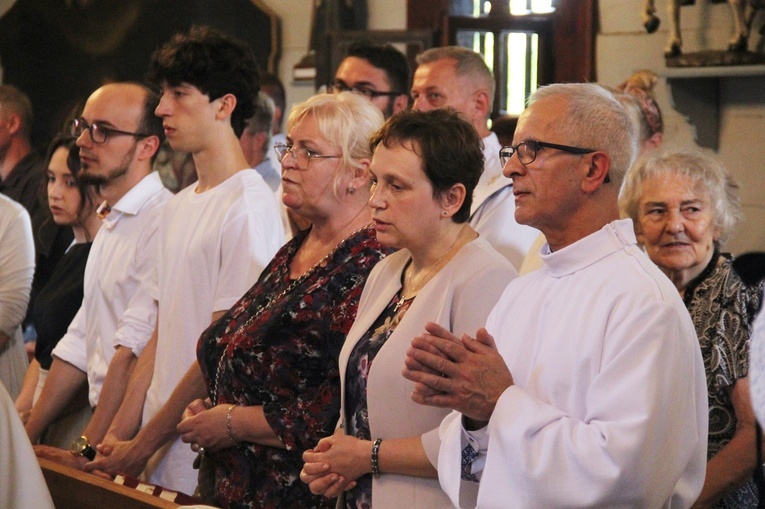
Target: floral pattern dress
{"points": [[278, 347], [356, 377], [723, 308]]}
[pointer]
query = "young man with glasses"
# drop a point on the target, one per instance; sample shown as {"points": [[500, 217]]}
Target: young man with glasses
{"points": [[457, 77], [587, 387], [379, 73], [215, 237], [118, 136]]}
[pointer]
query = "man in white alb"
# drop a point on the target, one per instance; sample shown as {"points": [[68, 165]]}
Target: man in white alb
{"points": [[594, 394]]}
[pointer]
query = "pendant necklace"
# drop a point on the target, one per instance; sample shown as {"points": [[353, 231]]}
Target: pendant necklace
{"points": [[426, 279]]}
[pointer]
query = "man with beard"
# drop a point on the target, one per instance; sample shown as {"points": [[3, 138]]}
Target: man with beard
{"points": [[118, 136], [380, 73]]}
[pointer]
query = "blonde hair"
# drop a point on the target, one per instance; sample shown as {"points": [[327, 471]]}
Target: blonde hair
{"points": [[346, 121], [639, 87]]}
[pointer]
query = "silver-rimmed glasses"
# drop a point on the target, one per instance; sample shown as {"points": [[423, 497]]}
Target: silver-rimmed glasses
{"points": [[301, 155]]}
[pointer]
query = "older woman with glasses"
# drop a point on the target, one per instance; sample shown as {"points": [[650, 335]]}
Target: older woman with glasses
{"points": [[269, 364], [684, 205], [425, 167]]}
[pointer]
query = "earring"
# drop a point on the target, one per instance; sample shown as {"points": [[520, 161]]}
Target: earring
{"points": [[351, 190], [446, 213]]}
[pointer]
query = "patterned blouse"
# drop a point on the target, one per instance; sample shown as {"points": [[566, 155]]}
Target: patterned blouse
{"points": [[359, 364], [283, 356], [722, 308]]}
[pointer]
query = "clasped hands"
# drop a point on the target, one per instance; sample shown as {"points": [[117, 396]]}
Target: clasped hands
{"points": [[465, 374], [335, 463], [204, 426]]}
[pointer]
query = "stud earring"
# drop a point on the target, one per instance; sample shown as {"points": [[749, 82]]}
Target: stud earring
{"points": [[351, 190]]}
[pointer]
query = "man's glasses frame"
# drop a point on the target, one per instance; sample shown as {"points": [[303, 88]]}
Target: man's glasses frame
{"points": [[99, 133], [527, 152]]}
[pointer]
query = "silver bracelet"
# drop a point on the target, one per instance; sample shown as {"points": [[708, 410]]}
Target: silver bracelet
{"points": [[376, 457], [228, 425]]}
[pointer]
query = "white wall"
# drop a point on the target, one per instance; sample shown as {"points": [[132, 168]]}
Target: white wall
{"points": [[623, 47]]}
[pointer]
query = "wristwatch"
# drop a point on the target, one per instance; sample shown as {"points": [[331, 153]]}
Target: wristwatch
{"points": [[82, 447]]}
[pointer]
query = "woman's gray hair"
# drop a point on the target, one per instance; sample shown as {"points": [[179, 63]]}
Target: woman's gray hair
{"points": [[595, 119], [702, 169], [345, 121]]}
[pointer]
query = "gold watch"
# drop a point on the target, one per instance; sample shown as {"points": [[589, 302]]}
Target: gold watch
{"points": [[82, 447]]}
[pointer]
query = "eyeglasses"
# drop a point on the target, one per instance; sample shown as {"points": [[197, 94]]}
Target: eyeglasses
{"points": [[336, 88], [99, 133], [301, 155], [527, 152]]}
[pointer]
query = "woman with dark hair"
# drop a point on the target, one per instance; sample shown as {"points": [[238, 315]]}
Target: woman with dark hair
{"points": [[425, 167], [71, 204], [684, 206]]}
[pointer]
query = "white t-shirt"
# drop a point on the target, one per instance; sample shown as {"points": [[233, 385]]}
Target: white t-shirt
{"points": [[213, 247], [609, 406], [117, 306], [492, 213]]}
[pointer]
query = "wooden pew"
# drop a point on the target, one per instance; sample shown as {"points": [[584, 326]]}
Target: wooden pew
{"points": [[72, 488]]}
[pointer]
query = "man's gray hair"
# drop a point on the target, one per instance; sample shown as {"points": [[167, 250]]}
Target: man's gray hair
{"points": [[262, 120], [15, 101], [706, 171], [468, 63], [595, 119]]}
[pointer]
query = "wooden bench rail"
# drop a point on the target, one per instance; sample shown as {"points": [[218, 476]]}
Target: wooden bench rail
{"points": [[72, 488]]}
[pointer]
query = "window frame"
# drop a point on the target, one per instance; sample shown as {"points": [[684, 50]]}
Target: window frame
{"points": [[574, 30], [541, 24]]}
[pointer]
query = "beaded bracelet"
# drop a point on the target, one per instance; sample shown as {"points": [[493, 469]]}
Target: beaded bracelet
{"points": [[228, 425], [376, 457]]}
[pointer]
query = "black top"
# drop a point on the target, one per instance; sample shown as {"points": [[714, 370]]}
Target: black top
{"points": [[59, 301]]}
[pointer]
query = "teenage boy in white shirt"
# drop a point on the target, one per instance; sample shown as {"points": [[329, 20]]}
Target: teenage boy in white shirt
{"points": [[215, 238]]}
